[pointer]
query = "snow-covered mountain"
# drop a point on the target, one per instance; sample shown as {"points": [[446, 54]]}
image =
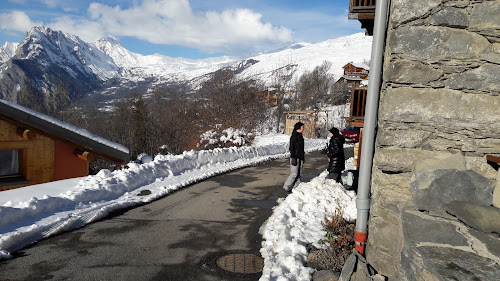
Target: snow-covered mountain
{"points": [[299, 58], [105, 70], [7, 51]]}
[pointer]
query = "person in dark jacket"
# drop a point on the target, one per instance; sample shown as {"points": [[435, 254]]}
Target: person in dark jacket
{"points": [[296, 157], [335, 153]]}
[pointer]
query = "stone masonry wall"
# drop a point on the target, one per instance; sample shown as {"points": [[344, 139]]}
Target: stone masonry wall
{"points": [[440, 96]]}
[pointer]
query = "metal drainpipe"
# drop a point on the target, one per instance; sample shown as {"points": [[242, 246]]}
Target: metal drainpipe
{"points": [[368, 142]]}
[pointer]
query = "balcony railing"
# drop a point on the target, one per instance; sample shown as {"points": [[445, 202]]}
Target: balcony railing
{"points": [[357, 7], [362, 6], [364, 11]]}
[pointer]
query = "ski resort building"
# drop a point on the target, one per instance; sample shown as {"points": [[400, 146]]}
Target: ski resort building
{"points": [[36, 148]]}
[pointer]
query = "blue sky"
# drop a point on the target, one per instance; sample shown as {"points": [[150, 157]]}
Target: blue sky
{"points": [[184, 28]]}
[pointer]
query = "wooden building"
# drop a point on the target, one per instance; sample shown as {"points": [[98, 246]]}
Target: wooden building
{"points": [[312, 127], [271, 96], [364, 12], [36, 148], [356, 70], [355, 76]]}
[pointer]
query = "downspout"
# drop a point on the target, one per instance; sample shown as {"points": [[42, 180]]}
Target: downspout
{"points": [[370, 123]]}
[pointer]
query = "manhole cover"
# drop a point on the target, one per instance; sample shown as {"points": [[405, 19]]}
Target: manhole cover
{"points": [[241, 263]]}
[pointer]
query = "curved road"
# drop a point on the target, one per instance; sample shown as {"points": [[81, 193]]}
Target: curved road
{"points": [[178, 237]]}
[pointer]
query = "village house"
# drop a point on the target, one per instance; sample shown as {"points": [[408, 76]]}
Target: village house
{"points": [[355, 77], [36, 148]]}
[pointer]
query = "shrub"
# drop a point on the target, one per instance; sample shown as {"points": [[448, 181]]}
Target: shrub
{"points": [[340, 237]]}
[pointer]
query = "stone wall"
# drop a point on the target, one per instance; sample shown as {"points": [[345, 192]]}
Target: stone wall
{"points": [[439, 97]]}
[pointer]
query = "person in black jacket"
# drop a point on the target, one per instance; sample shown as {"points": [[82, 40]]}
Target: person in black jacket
{"points": [[335, 153], [296, 157]]}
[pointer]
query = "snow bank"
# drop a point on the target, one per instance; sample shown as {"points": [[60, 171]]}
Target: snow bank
{"points": [[296, 223], [94, 197]]}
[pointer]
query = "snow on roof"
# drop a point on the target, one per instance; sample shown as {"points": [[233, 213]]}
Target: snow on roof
{"points": [[352, 78], [361, 65], [63, 129], [358, 65]]}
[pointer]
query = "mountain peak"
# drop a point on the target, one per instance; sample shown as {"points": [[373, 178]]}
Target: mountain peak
{"points": [[108, 39]]}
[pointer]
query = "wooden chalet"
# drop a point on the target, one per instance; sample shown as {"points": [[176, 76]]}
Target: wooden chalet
{"points": [[36, 148], [364, 12], [356, 70], [271, 96], [355, 76]]}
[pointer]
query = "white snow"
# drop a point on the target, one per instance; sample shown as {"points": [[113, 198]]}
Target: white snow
{"points": [[340, 51], [7, 51], [32, 213], [296, 224], [67, 126]]}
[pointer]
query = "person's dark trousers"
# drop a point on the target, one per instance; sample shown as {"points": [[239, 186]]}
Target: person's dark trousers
{"points": [[335, 176]]}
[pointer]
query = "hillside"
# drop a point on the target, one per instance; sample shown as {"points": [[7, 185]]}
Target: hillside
{"points": [[105, 70]]}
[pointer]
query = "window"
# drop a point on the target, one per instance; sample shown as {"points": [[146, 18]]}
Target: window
{"points": [[9, 163]]}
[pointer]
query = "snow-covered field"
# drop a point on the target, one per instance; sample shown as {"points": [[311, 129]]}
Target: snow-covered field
{"points": [[32, 213]]}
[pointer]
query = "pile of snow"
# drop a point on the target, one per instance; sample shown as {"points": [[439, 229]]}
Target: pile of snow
{"points": [[25, 219], [228, 137], [296, 224]]}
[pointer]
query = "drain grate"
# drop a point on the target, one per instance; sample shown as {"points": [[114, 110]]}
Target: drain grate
{"points": [[241, 263]]}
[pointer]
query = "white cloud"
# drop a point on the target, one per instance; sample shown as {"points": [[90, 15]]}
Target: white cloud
{"points": [[16, 21], [175, 22]]}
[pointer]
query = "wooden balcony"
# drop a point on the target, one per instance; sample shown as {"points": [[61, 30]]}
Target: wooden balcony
{"points": [[358, 102], [364, 11]]}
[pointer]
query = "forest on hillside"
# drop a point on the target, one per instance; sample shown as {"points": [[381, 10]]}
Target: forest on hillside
{"points": [[170, 121]]}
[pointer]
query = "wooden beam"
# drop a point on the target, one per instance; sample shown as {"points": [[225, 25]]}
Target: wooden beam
{"points": [[25, 133], [84, 155], [492, 158]]}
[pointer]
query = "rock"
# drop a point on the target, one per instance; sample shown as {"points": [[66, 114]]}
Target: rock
{"points": [[484, 19], [483, 218], [484, 78], [496, 192], [441, 161], [407, 10], [438, 263], [400, 160], [411, 72], [445, 249], [325, 275], [437, 43], [432, 189], [453, 17], [489, 243], [407, 104], [420, 228]]}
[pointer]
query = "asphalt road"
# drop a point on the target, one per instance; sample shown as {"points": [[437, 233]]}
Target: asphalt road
{"points": [[178, 237]]}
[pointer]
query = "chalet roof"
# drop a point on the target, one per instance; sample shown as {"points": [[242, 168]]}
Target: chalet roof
{"points": [[62, 131], [358, 65], [352, 78]]}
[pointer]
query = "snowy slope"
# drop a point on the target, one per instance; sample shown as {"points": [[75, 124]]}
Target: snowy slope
{"points": [[90, 65], [340, 51], [66, 50], [7, 51], [157, 65]]}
